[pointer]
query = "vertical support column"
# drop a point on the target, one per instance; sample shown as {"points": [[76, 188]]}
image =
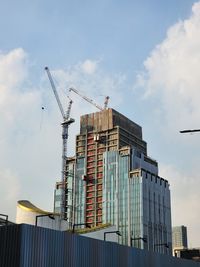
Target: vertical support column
{"points": [[86, 152], [85, 174], [129, 211], [104, 199], [74, 197], [117, 190], [95, 187], [64, 157], [141, 210], [118, 133]]}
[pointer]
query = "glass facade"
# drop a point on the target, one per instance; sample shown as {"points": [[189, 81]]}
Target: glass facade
{"points": [[136, 201], [69, 193], [57, 200], [110, 174], [123, 197], [115, 192], [80, 194], [136, 211], [74, 194]]}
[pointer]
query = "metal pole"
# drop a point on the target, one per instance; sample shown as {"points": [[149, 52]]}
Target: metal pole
{"points": [[6, 216]]}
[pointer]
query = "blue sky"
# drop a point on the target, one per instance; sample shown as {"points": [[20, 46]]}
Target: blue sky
{"points": [[64, 33], [144, 54]]}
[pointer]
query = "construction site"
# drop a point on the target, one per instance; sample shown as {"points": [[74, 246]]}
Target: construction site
{"points": [[112, 180], [109, 190]]}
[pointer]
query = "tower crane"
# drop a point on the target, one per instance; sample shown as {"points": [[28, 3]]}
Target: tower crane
{"points": [[90, 100], [65, 126]]}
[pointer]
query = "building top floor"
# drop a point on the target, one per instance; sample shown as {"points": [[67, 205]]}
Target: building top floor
{"points": [[106, 120]]}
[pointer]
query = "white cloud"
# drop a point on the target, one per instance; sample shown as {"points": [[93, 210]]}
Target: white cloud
{"points": [[171, 90], [13, 71], [184, 199], [22, 154], [89, 66], [30, 137], [12, 68], [9, 191], [172, 70]]}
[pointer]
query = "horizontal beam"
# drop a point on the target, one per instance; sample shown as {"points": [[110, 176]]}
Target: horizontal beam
{"points": [[190, 131]]}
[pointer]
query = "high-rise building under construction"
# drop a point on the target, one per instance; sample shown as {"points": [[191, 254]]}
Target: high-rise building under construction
{"points": [[112, 180]]}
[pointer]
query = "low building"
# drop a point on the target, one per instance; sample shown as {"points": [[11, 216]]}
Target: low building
{"points": [[190, 254], [30, 214]]}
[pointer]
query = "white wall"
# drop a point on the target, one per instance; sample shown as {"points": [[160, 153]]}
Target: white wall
{"points": [[29, 217], [112, 237]]}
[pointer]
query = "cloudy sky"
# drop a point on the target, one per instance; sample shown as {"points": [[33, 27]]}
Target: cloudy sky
{"points": [[144, 54]]}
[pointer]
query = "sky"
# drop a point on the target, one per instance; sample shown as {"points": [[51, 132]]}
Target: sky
{"points": [[144, 54]]}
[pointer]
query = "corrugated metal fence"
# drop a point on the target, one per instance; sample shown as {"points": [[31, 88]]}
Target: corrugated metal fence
{"points": [[30, 246]]}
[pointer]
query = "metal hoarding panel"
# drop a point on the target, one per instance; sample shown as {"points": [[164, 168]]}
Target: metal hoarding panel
{"points": [[30, 246], [9, 246]]}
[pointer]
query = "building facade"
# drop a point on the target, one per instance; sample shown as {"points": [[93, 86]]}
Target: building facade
{"points": [[111, 179]]}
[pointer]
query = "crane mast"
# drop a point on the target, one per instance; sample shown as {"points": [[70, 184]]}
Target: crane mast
{"points": [[106, 102], [65, 126], [90, 100]]}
